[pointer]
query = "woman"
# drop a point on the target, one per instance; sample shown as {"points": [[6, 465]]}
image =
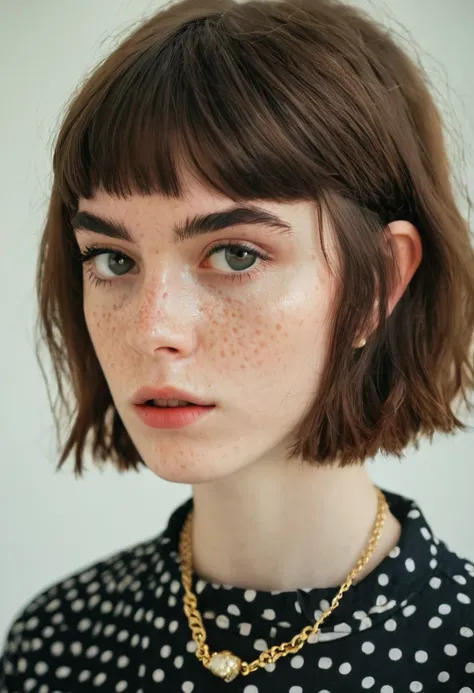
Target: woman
{"points": [[255, 277]]}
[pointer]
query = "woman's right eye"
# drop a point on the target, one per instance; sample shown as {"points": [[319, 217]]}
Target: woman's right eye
{"points": [[107, 263], [116, 263]]}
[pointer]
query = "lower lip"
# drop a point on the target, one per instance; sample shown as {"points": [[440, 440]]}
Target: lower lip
{"points": [[170, 417]]}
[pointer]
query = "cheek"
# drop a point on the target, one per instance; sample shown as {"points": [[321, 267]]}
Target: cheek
{"points": [[103, 323], [261, 335]]}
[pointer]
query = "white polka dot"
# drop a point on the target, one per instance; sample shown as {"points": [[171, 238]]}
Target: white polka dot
{"points": [[269, 615], [41, 668], [249, 595], [395, 552], [345, 668], [395, 654], [410, 565], [460, 579], [426, 534], [270, 667], [381, 600], [466, 632], [433, 563], [173, 627], [451, 650], [298, 607], [29, 684], [444, 609], [296, 689], [463, 598], [187, 687], [390, 625], [435, 622], [260, 645], [368, 647], [222, 621], [84, 676], [386, 689], [165, 651], [383, 579], [297, 662], [123, 662], [63, 672], [251, 689], [368, 682], [57, 648], [200, 585], [470, 668], [99, 679], [178, 662], [245, 628], [233, 609], [121, 686], [443, 676], [421, 656], [414, 514], [435, 582], [416, 686], [465, 689], [409, 610], [158, 675], [325, 663], [106, 656]]}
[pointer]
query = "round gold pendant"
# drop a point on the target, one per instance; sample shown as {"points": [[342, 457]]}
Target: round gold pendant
{"points": [[225, 665]]}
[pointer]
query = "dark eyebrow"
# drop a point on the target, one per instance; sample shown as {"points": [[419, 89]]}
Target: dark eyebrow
{"points": [[196, 226]]}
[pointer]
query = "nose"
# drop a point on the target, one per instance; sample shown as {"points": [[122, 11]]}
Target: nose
{"points": [[164, 320]]}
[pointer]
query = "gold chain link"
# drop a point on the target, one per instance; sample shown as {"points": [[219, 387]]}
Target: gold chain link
{"points": [[274, 653]]}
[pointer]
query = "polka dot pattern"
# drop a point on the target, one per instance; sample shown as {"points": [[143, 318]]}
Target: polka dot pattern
{"points": [[119, 626]]}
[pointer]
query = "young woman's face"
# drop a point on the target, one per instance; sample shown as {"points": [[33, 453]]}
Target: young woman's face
{"points": [[243, 327]]}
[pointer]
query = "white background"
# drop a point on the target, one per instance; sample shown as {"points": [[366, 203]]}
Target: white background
{"points": [[50, 523]]}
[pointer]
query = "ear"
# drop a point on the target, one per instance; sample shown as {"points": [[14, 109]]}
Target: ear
{"points": [[408, 251]]}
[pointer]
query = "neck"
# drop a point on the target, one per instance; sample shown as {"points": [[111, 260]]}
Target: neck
{"points": [[287, 527]]}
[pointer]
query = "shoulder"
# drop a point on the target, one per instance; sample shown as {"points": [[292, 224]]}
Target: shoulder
{"points": [[70, 614]]}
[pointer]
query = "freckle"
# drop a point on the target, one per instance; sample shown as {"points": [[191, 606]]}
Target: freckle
{"points": [[223, 353], [255, 351], [278, 327], [242, 367], [263, 344], [259, 363], [235, 330], [214, 322], [272, 338], [259, 332]]}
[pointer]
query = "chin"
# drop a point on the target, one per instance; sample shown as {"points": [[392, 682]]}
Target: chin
{"points": [[191, 473]]}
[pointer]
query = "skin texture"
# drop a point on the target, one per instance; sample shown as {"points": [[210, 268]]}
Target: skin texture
{"points": [[255, 348]]}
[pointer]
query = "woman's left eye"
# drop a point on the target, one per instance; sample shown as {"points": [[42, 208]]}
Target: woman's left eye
{"points": [[239, 257]]}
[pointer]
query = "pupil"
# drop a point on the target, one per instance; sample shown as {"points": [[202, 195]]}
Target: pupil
{"points": [[243, 259]]}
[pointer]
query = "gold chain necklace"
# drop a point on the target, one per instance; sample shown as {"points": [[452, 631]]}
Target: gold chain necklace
{"points": [[225, 664]]}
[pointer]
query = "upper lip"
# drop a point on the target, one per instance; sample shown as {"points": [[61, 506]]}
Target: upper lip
{"points": [[145, 394]]}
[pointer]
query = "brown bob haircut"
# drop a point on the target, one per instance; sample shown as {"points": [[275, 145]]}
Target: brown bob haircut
{"points": [[308, 100]]}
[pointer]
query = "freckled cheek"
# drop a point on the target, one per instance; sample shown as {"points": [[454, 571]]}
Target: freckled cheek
{"points": [[246, 338], [104, 324]]}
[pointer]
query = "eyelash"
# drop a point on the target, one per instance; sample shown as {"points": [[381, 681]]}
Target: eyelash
{"points": [[93, 251]]}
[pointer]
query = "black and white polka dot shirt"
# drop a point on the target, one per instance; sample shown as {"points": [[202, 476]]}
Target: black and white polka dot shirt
{"points": [[119, 625]]}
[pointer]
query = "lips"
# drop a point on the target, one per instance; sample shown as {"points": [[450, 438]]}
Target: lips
{"points": [[145, 394]]}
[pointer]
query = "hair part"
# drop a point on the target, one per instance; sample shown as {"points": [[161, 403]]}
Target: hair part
{"points": [[285, 101]]}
